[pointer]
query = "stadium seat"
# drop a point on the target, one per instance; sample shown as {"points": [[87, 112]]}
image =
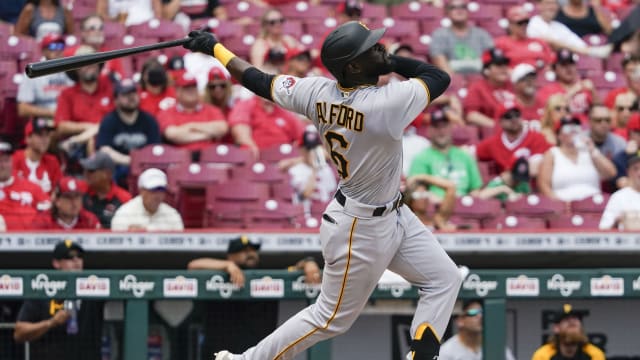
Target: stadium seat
{"points": [[575, 221], [282, 191], [474, 208], [463, 223], [492, 26], [465, 135], [614, 63], [373, 11], [485, 12], [488, 170], [259, 172], [535, 206], [240, 44], [279, 152], [415, 10], [608, 80], [397, 28], [242, 9], [514, 222], [591, 205], [272, 213], [305, 11], [589, 66], [81, 10], [225, 215], [223, 29], [8, 74], [225, 203], [18, 48], [154, 156], [226, 154], [193, 9], [161, 29]]}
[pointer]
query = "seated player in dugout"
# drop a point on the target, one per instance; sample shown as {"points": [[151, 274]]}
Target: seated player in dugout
{"points": [[362, 125]]}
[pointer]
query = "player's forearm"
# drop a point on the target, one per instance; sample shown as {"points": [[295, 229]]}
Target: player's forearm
{"points": [[214, 129], [30, 110], [27, 331], [250, 77], [436, 80]]}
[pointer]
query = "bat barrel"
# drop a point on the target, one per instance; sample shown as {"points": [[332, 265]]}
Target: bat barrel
{"points": [[73, 62]]}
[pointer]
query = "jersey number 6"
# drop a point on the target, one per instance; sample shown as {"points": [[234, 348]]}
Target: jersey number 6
{"points": [[342, 164]]}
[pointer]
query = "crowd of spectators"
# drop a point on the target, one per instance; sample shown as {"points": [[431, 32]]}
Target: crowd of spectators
{"points": [[532, 109]]}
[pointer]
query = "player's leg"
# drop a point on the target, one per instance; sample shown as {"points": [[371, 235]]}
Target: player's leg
{"points": [[356, 252], [421, 260]]}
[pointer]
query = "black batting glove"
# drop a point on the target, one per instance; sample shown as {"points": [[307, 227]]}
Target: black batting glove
{"points": [[201, 41]]}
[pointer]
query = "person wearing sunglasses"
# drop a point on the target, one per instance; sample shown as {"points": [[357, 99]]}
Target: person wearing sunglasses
{"points": [[458, 48], [600, 123], [46, 324], [574, 169], [218, 91], [555, 109], [272, 36], [518, 46], [625, 105], [38, 97], [466, 344]]}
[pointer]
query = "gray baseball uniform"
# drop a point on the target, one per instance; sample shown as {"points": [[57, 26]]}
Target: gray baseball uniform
{"points": [[363, 230]]}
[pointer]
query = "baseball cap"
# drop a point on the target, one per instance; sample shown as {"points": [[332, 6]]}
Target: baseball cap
{"points": [[238, 244], [568, 311], [152, 179], [65, 249], [6, 147], [310, 139], [350, 8], [298, 52], [98, 161], [70, 185], [634, 122], [186, 79], [125, 86], [52, 41], [509, 111], [566, 56], [38, 124], [521, 71], [438, 116], [494, 56], [216, 73], [517, 13], [520, 169]]}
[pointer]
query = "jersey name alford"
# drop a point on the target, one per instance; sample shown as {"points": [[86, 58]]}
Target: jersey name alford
{"points": [[341, 115]]}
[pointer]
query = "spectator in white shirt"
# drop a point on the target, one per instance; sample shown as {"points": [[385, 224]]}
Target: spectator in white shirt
{"points": [[623, 209], [148, 211], [544, 27]]}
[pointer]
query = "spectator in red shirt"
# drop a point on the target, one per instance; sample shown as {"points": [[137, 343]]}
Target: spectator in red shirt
{"points": [[517, 46], [631, 72], [523, 78], [20, 200], [580, 93], [488, 95], [82, 106], [66, 211], [34, 163], [155, 92], [259, 124], [192, 123], [103, 196], [625, 106], [515, 140]]}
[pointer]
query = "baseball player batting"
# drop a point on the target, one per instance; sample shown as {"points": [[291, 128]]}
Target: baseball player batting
{"points": [[365, 229]]}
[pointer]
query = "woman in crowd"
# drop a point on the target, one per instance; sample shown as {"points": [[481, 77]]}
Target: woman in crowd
{"points": [[41, 17], [557, 107], [574, 169], [155, 92], [271, 37]]}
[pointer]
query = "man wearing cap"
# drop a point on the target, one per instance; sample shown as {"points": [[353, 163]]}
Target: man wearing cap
{"points": [[66, 208], [514, 140], [34, 163], [621, 159], [580, 93], [20, 200], [518, 46], [523, 78], [486, 96], [191, 123], [458, 48], [38, 97], [45, 323], [103, 196], [126, 128], [631, 72], [445, 160], [148, 211], [568, 340], [623, 209], [625, 107], [253, 319], [82, 106]]}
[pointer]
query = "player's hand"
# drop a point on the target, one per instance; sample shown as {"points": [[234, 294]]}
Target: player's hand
{"points": [[235, 274], [201, 41], [60, 317]]}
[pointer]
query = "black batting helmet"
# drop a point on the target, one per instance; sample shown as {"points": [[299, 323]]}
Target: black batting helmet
{"points": [[345, 43]]}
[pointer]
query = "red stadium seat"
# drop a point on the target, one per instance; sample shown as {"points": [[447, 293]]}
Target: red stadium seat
{"points": [[507, 222], [535, 206], [397, 28], [279, 152], [591, 205], [161, 29], [240, 44], [226, 154], [18, 48], [274, 214], [484, 12], [305, 11], [373, 11], [589, 66], [238, 192], [155, 156], [415, 10], [241, 9], [614, 63], [466, 223], [608, 80], [226, 215], [282, 191], [259, 172], [475, 208], [575, 221], [223, 29]]}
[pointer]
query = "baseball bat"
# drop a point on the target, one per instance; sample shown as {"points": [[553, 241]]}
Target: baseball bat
{"points": [[73, 62]]}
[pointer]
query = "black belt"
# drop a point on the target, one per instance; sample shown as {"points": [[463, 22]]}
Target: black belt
{"points": [[379, 211]]}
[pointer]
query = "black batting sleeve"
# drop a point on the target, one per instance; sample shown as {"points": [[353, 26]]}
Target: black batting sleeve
{"points": [[436, 80], [259, 82]]}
